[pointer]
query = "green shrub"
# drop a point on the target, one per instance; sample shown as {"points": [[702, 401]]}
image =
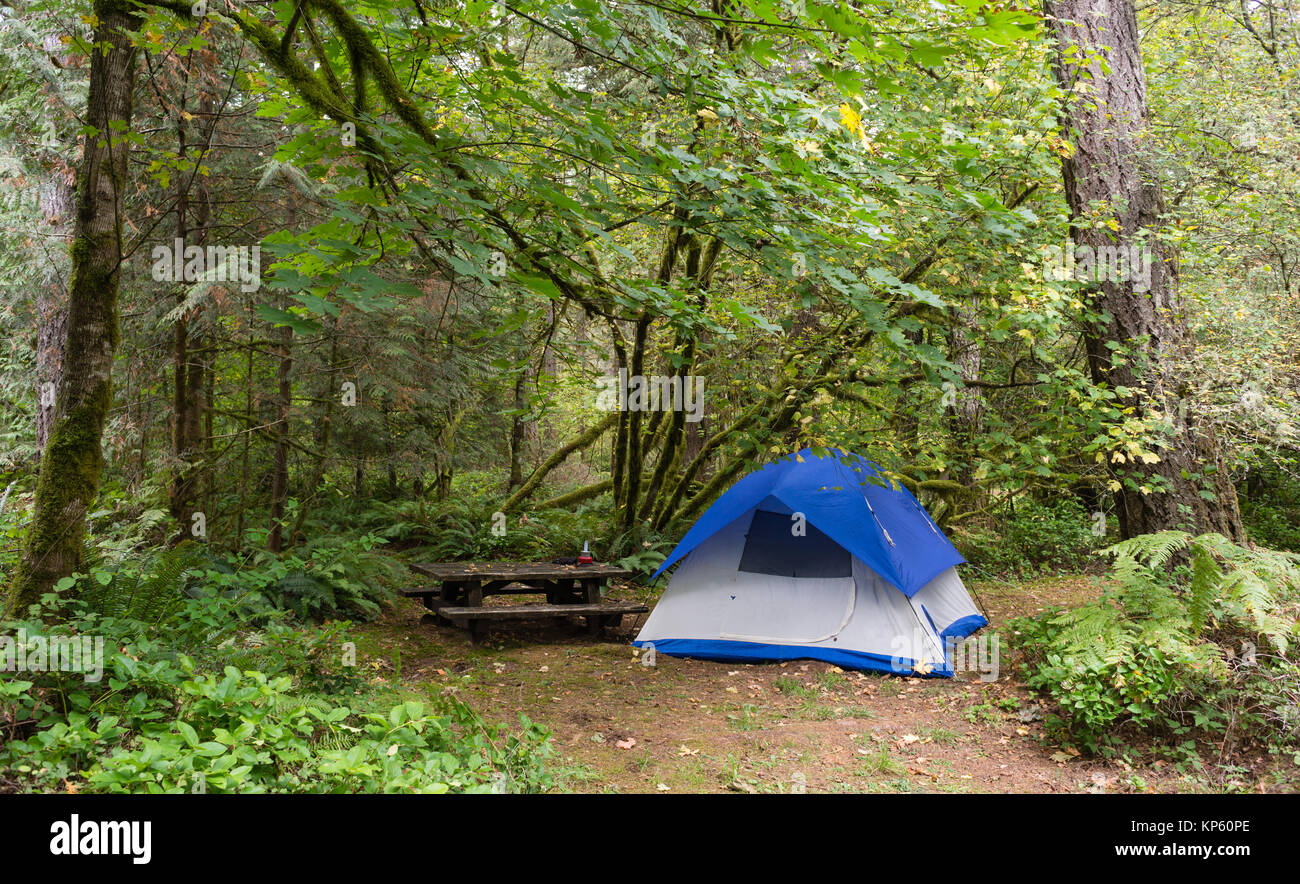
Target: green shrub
{"points": [[466, 528], [243, 732], [151, 589], [1094, 692], [1270, 503], [332, 577], [1145, 654], [1038, 536], [1276, 526], [173, 712]]}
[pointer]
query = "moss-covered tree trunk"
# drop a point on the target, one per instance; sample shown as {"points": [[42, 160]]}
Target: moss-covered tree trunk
{"points": [[73, 459]]}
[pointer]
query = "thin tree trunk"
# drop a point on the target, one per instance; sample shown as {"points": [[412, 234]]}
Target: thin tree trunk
{"points": [[967, 411], [618, 457], [189, 356], [518, 431], [324, 428], [280, 463], [284, 397], [73, 459], [390, 453], [632, 475], [248, 443]]}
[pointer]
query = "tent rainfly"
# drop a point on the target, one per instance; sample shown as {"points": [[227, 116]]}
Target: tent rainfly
{"points": [[815, 557]]}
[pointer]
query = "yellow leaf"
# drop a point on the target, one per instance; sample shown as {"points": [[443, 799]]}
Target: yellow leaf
{"points": [[850, 118]]}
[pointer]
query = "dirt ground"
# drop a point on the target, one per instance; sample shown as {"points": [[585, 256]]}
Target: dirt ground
{"points": [[697, 726]]}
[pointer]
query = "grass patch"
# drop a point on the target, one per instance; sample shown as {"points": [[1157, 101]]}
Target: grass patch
{"points": [[793, 687]]}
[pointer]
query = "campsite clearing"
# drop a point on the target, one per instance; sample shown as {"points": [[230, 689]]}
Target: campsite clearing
{"points": [[692, 725]]}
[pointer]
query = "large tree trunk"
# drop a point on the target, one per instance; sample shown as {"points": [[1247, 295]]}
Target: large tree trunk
{"points": [[1108, 179], [73, 459]]}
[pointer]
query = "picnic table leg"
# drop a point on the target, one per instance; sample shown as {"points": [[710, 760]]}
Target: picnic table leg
{"points": [[447, 590], [432, 616], [478, 630], [474, 593], [591, 590], [450, 589]]}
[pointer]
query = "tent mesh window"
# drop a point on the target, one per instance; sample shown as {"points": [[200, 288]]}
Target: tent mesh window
{"points": [[772, 548]]}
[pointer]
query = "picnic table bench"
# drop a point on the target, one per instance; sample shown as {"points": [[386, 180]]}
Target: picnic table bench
{"points": [[457, 597]]}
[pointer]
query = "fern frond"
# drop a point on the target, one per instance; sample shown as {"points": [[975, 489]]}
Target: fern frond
{"points": [[1154, 550]]}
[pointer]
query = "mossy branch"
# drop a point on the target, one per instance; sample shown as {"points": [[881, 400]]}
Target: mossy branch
{"points": [[560, 455]]}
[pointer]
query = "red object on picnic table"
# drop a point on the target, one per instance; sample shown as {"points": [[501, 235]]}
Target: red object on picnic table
{"points": [[585, 557]]}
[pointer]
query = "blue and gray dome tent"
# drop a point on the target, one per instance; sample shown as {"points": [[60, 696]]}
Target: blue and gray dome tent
{"points": [[815, 558]]}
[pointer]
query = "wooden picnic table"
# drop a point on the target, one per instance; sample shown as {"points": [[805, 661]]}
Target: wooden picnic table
{"points": [[460, 588]]}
